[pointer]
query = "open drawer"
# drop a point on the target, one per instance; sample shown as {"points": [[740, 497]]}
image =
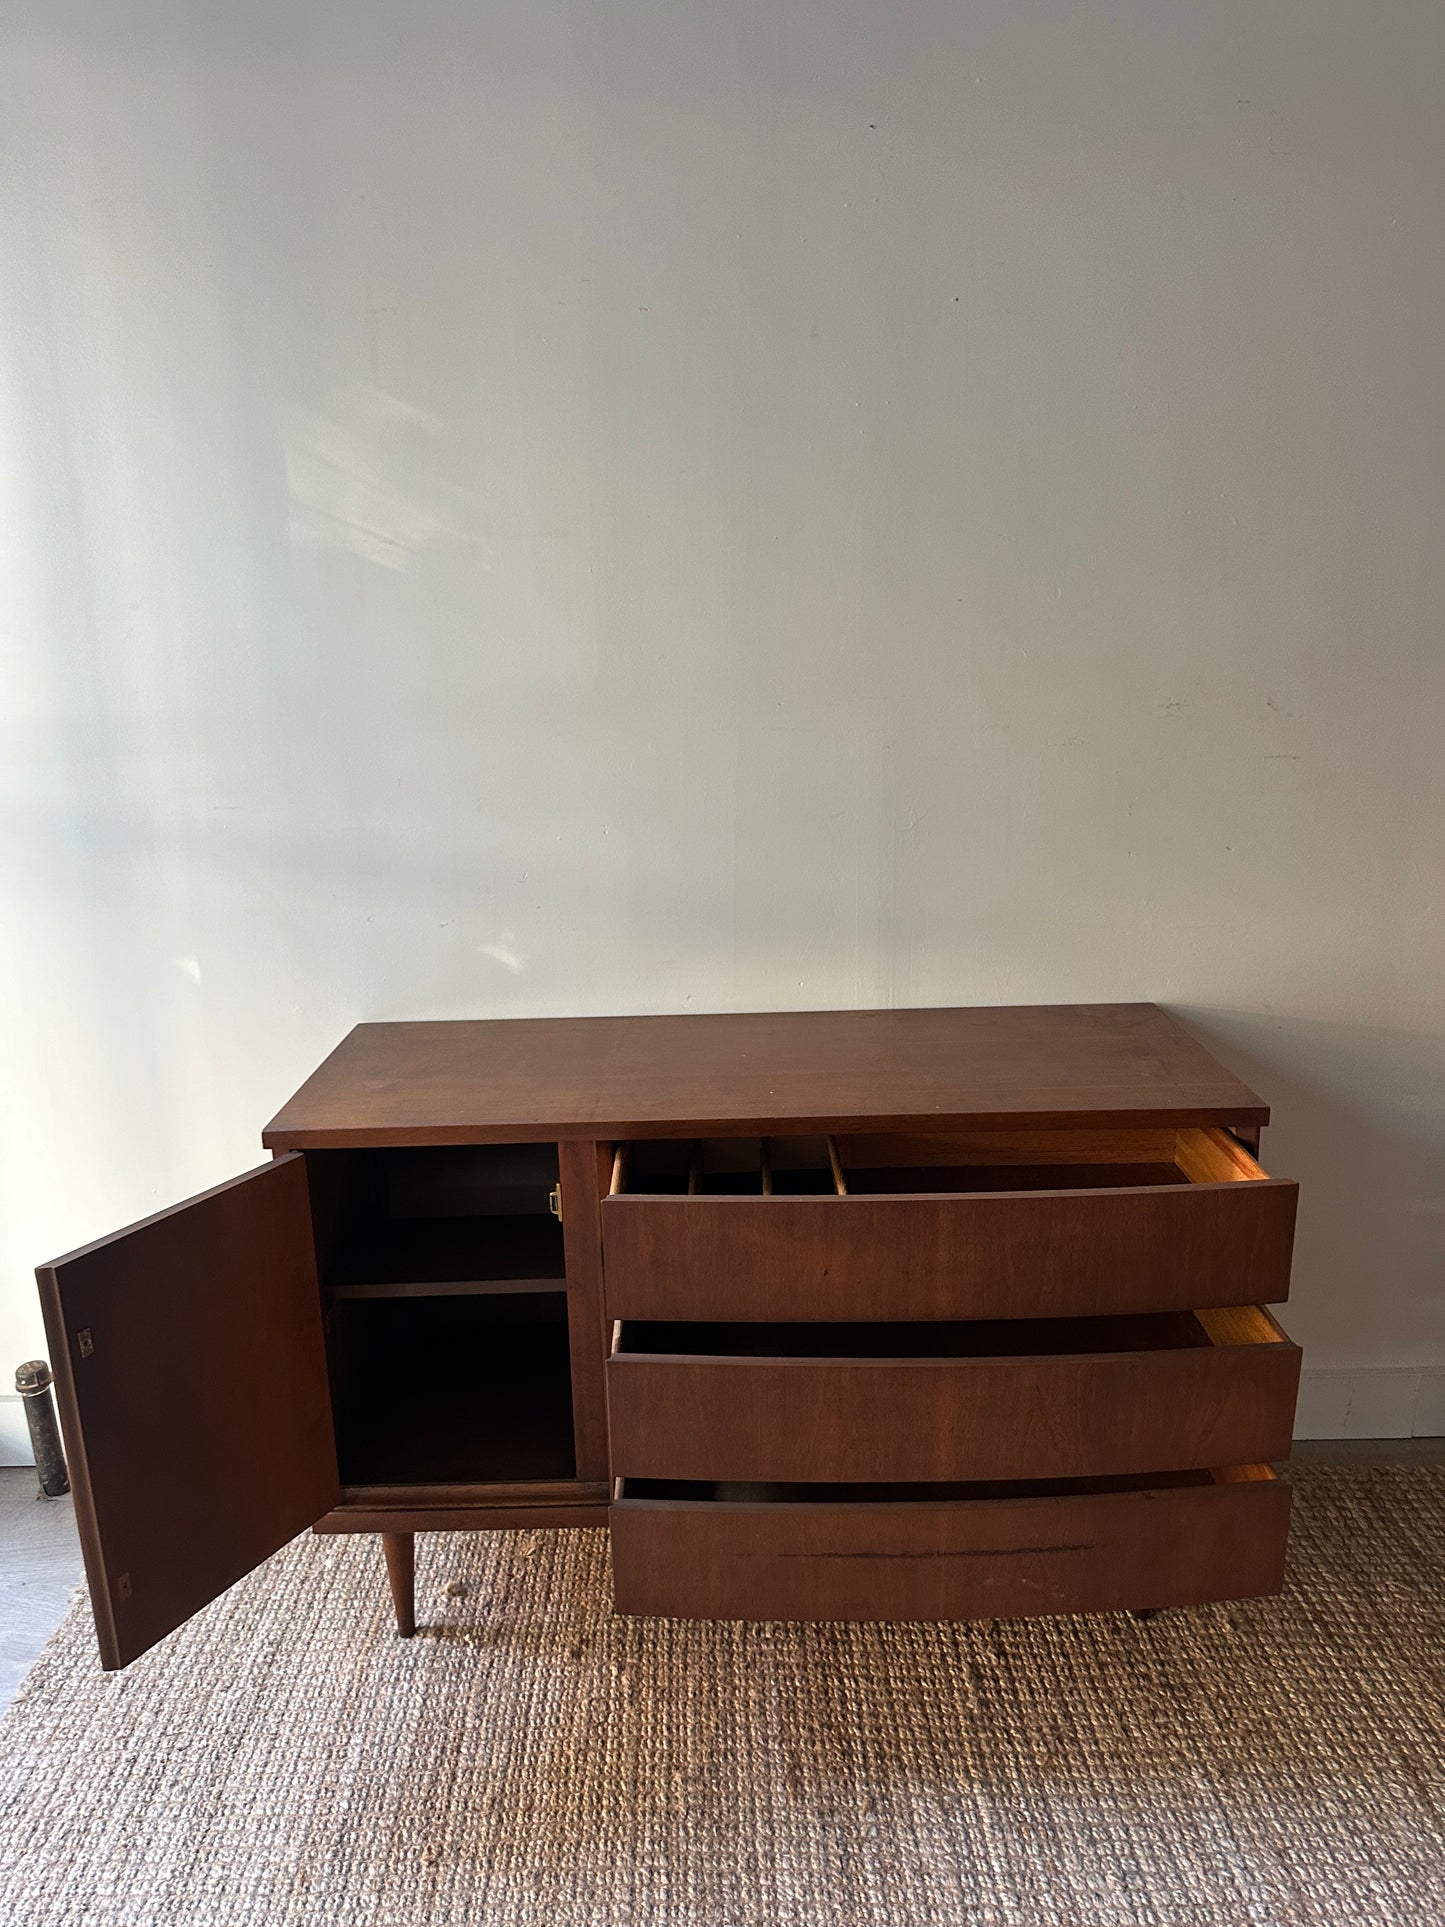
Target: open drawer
{"points": [[1026, 1399], [839, 1552], [983, 1224]]}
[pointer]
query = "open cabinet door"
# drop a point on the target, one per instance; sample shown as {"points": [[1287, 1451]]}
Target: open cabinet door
{"points": [[190, 1360]]}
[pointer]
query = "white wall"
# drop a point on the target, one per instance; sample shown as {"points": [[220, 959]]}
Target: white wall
{"points": [[561, 508]]}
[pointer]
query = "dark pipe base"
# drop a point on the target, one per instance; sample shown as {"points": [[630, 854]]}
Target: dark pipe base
{"points": [[33, 1381]]}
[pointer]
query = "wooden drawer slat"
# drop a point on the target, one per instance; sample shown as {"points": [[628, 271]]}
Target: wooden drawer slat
{"points": [[980, 1255], [1078, 1551], [1192, 1397]]}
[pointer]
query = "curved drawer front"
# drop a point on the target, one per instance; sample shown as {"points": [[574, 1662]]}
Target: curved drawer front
{"points": [[1183, 1396], [983, 1255], [1222, 1537]]}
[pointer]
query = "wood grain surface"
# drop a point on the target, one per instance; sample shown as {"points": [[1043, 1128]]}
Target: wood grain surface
{"points": [[191, 1369], [1154, 1409], [595, 1077], [970, 1559], [985, 1255]]}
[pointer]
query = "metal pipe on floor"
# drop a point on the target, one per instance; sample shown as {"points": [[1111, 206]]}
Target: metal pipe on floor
{"points": [[33, 1381]]}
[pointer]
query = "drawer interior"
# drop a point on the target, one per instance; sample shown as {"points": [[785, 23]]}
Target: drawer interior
{"points": [[740, 1167], [726, 1492], [944, 1161], [979, 1338]]}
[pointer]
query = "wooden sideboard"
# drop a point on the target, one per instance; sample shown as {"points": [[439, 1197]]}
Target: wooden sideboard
{"points": [[910, 1314]]}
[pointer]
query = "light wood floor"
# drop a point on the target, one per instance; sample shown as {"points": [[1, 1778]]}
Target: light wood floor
{"points": [[39, 1569]]}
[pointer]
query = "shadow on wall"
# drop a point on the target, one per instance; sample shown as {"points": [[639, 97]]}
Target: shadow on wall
{"points": [[1359, 1120]]}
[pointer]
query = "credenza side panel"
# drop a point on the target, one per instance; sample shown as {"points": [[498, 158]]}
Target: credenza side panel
{"points": [[583, 1167]]}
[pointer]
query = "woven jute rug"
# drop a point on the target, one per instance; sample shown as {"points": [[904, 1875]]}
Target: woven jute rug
{"points": [[530, 1759]]}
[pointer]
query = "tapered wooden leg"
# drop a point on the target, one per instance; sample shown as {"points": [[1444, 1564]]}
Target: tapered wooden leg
{"points": [[400, 1549]]}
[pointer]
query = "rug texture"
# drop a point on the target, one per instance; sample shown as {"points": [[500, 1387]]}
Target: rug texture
{"points": [[530, 1759]]}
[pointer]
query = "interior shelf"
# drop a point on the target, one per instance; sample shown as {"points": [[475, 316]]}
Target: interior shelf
{"points": [[441, 1221], [437, 1257]]}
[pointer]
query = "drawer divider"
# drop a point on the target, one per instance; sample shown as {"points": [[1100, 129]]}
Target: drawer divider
{"points": [[840, 1183]]}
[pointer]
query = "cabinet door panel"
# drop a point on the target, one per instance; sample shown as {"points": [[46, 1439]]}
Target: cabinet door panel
{"points": [[190, 1361]]}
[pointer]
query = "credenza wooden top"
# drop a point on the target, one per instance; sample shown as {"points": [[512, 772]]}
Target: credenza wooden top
{"points": [[598, 1077]]}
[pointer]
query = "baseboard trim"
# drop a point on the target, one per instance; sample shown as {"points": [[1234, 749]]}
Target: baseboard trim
{"points": [[1371, 1402]]}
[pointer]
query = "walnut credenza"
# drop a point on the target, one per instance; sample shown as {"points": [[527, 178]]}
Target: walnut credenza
{"points": [[839, 1315]]}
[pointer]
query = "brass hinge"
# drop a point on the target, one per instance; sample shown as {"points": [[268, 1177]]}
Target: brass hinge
{"points": [[554, 1202]]}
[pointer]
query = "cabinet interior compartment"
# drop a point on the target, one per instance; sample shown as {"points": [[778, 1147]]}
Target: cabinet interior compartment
{"points": [[455, 1388], [437, 1220]]}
